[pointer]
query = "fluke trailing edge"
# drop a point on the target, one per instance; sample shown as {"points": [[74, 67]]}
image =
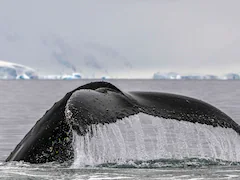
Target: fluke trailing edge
{"points": [[102, 103]]}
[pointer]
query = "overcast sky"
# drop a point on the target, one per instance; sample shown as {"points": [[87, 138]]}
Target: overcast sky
{"points": [[185, 36]]}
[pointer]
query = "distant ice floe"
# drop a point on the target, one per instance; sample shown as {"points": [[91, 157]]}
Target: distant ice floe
{"points": [[10, 70], [232, 76], [172, 75], [73, 76], [105, 77], [64, 77], [208, 77]]}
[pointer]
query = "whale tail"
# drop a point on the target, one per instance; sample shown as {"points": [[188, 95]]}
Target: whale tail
{"points": [[106, 124]]}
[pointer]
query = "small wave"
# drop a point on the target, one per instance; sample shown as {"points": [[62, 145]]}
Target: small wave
{"points": [[160, 163], [25, 165], [160, 169], [171, 163], [24, 170]]}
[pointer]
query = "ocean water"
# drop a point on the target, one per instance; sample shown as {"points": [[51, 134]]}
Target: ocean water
{"points": [[24, 102]]}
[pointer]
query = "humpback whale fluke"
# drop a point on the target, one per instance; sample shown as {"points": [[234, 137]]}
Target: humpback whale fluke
{"points": [[101, 103]]}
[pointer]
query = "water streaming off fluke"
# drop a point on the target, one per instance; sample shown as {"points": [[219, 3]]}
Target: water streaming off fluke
{"points": [[142, 137]]}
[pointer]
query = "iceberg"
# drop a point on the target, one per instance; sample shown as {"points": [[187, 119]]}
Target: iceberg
{"points": [[173, 75], [170, 75], [23, 76], [73, 76], [50, 77], [231, 76], [192, 77], [10, 70], [105, 77], [210, 77]]}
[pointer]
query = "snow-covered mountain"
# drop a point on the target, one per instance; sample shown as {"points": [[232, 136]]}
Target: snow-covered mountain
{"points": [[16, 71]]}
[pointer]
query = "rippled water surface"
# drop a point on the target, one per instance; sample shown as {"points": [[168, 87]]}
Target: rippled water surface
{"points": [[49, 171], [24, 102]]}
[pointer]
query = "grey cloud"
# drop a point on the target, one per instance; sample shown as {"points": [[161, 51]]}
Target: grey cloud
{"points": [[91, 61], [181, 35]]}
